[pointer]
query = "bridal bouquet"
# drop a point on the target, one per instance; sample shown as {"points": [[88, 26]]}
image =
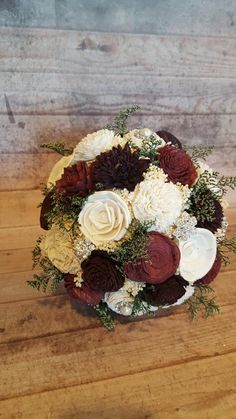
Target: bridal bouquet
{"points": [[134, 222]]}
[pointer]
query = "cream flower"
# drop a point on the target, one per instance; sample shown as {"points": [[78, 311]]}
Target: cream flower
{"points": [[157, 201], [198, 254], [94, 144], [137, 136], [58, 170], [57, 245], [104, 217]]}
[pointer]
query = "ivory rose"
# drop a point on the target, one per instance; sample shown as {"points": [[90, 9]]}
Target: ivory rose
{"points": [[94, 144], [104, 217]]}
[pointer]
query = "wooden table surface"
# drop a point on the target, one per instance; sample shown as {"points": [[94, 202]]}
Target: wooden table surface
{"points": [[55, 363]]}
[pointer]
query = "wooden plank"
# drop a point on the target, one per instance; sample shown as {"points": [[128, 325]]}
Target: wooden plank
{"points": [[30, 170], [192, 129], [63, 94], [19, 237], [19, 208], [14, 288], [85, 52], [199, 389], [59, 355]]}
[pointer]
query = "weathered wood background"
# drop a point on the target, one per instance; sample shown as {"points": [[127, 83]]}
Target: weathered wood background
{"points": [[179, 65]]}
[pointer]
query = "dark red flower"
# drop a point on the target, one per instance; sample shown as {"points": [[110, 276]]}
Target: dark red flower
{"points": [[83, 294], [46, 206], [197, 205], [167, 292], [169, 138], [101, 273], [76, 180], [120, 168], [162, 260], [177, 165], [213, 272]]}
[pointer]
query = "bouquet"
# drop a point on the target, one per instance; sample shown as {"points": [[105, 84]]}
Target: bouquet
{"points": [[134, 222]]}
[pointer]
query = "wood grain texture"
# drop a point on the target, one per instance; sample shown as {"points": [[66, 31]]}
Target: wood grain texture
{"points": [[105, 53]]}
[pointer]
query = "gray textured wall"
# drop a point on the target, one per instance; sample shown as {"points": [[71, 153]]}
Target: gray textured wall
{"points": [[202, 17]]}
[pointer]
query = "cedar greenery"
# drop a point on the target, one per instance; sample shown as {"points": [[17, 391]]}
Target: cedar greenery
{"points": [[50, 274], [120, 123], [200, 301], [225, 247], [105, 316], [59, 148], [199, 152], [139, 306], [148, 149]]}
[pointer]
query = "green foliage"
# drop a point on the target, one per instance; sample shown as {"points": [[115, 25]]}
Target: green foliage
{"points": [[135, 246], [59, 148], [140, 306], [225, 247], [225, 183], [104, 314], [64, 209], [50, 274], [149, 148], [201, 301], [199, 152], [120, 122]]}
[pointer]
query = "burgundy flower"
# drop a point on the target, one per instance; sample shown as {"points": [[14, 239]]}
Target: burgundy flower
{"points": [[162, 260], [197, 206], [177, 165], [169, 138], [76, 180], [213, 272], [83, 294], [101, 273], [120, 168], [46, 206], [167, 292]]}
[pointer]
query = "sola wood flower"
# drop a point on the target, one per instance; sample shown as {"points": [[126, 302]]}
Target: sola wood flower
{"points": [[84, 293], [100, 273], [168, 292], [169, 138], [77, 179], [104, 217], [177, 165], [58, 170], [198, 254], [120, 168], [160, 263], [94, 144], [213, 272]]}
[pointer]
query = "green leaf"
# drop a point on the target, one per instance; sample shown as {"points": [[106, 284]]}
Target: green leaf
{"points": [[105, 316]]}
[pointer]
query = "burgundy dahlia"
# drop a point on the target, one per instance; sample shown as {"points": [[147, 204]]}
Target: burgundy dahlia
{"points": [[46, 207], [167, 292], [83, 294], [100, 272], [177, 165], [161, 262], [120, 168], [76, 180]]}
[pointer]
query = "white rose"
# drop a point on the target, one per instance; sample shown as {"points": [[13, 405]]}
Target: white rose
{"points": [[157, 201], [104, 217], [198, 254], [94, 144], [58, 170], [137, 136]]}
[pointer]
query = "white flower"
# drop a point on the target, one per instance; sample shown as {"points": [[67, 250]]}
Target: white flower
{"points": [[157, 201], [58, 170], [198, 254], [104, 217], [137, 136], [120, 302], [57, 245], [94, 144]]}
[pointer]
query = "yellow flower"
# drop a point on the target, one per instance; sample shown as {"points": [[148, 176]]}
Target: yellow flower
{"points": [[57, 245]]}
